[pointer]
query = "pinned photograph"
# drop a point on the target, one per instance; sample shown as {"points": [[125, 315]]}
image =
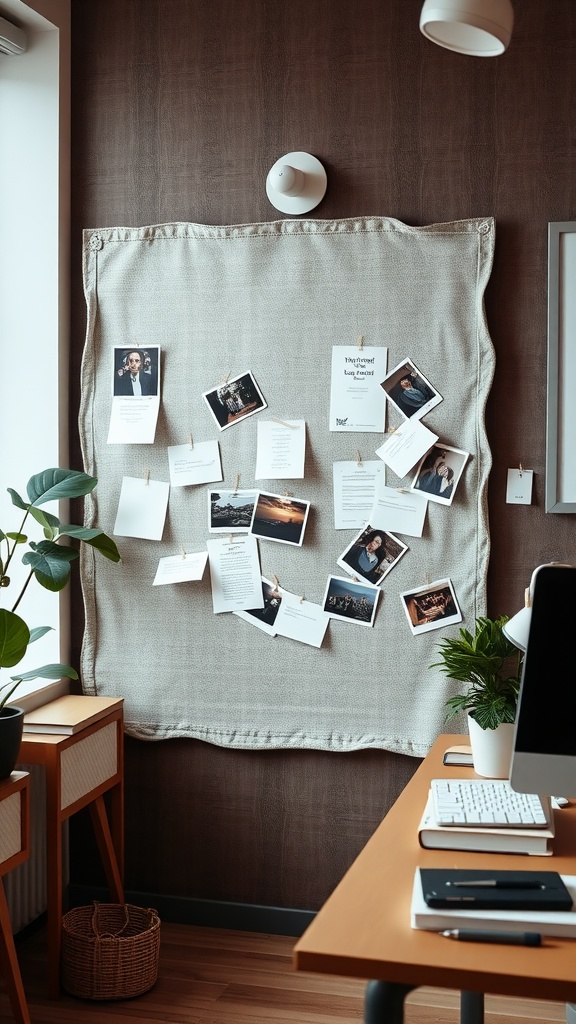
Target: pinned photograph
{"points": [[136, 371], [264, 618], [432, 606], [230, 511], [279, 518], [439, 472], [351, 601], [409, 391], [372, 554], [234, 400]]}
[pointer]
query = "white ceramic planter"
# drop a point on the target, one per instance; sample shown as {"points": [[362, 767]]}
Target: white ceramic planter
{"points": [[491, 749]]}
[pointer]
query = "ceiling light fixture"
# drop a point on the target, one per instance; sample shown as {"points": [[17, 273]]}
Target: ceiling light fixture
{"points": [[480, 28]]}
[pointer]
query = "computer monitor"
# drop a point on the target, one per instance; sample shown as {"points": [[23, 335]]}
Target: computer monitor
{"points": [[544, 758]]}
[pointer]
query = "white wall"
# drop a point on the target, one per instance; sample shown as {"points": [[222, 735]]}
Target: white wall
{"points": [[34, 279]]}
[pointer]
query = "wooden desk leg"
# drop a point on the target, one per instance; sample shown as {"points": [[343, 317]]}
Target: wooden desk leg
{"points": [[384, 1002], [106, 847], [471, 1008], [10, 964]]}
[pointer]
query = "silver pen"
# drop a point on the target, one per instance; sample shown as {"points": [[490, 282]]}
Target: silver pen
{"points": [[507, 938]]}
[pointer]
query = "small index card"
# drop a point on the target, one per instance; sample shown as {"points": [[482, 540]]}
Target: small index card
{"points": [[519, 487], [281, 450], [142, 508], [194, 464]]}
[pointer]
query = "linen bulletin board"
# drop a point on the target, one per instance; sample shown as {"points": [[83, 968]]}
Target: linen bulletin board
{"points": [[273, 299]]}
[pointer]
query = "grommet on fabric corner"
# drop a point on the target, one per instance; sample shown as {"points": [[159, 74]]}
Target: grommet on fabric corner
{"points": [[96, 243], [484, 228]]}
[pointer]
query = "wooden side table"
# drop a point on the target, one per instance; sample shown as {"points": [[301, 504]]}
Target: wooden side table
{"points": [[80, 769], [14, 850]]}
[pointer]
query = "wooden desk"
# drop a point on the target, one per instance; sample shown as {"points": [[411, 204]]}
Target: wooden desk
{"points": [[80, 769], [363, 930], [14, 850]]}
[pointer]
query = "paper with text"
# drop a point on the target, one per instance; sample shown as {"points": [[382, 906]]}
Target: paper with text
{"points": [[180, 568], [235, 574], [399, 511], [406, 446], [301, 620], [357, 402], [198, 463], [355, 486], [281, 449], [133, 420]]}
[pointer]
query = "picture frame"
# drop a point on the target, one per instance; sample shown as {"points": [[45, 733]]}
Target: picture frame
{"points": [[560, 488]]}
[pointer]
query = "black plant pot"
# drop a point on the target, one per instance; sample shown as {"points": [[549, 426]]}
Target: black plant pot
{"points": [[11, 725]]}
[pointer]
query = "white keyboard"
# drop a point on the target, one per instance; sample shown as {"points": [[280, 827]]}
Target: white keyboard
{"points": [[486, 804]]}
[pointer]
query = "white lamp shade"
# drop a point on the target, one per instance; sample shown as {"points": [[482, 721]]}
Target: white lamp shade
{"points": [[481, 28], [518, 627]]}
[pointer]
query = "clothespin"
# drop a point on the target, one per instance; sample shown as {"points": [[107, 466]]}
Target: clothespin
{"points": [[302, 599], [182, 552], [360, 341], [147, 477], [236, 484], [392, 430], [291, 426], [191, 441], [520, 468], [359, 459], [275, 581], [224, 380], [231, 541]]}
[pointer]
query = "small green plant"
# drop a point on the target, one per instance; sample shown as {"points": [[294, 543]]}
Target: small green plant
{"points": [[491, 665], [49, 562]]}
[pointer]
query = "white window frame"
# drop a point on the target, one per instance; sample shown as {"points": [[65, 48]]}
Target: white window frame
{"points": [[35, 291]]}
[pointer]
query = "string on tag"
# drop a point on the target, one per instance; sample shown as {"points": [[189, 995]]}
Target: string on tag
{"points": [[236, 484], [358, 459], [360, 341], [147, 477]]}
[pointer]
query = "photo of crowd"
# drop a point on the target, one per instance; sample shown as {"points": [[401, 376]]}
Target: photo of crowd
{"points": [[431, 607], [351, 601]]}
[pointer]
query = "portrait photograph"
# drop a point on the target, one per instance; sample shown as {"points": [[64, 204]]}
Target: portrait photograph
{"points": [[234, 400], [351, 601], [136, 371], [264, 618], [372, 555], [432, 606], [279, 518], [408, 390], [438, 474], [230, 511]]}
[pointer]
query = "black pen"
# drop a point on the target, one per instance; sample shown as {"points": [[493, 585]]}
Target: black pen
{"points": [[494, 883], [507, 938]]}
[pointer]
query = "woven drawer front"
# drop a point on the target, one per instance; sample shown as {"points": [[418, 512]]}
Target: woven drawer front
{"points": [[10, 826], [88, 763]]}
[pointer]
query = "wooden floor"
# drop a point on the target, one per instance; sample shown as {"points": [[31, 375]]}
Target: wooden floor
{"points": [[213, 976]]}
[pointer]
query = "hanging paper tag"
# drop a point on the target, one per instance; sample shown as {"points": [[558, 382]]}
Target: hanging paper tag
{"points": [[519, 488]]}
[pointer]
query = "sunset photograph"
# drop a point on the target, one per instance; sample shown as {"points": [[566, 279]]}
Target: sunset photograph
{"points": [[279, 518]]}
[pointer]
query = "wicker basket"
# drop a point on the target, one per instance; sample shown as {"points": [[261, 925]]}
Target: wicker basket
{"points": [[110, 951]]}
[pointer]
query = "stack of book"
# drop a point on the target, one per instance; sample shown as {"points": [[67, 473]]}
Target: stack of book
{"points": [[67, 715], [496, 840]]}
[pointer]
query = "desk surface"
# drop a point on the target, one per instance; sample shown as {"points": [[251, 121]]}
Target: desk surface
{"points": [[363, 930]]}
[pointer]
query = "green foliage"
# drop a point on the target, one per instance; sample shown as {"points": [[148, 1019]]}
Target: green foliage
{"points": [[49, 563], [490, 664]]}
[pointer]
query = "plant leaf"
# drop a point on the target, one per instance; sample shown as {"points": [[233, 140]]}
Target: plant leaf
{"points": [[54, 484], [20, 538], [95, 537], [16, 499], [14, 638], [48, 672], [44, 518], [50, 563], [39, 631]]}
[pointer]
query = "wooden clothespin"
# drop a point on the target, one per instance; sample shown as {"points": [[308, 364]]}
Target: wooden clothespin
{"points": [[182, 552], [520, 468], [275, 581], [224, 380], [302, 599], [236, 484], [358, 459], [147, 477], [360, 342], [191, 442]]}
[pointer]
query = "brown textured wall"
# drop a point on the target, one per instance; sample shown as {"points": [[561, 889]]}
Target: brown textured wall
{"points": [[179, 109]]}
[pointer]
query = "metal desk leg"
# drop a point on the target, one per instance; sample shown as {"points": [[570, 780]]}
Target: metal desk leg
{"points": [[471, 1008], [384, 1002]]}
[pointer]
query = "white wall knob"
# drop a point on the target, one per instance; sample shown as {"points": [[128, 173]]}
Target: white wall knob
{"points": [[287, 180]]}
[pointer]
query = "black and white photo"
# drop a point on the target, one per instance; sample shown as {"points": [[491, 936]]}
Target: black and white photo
{"points": [[234, 400], [409, 391]]}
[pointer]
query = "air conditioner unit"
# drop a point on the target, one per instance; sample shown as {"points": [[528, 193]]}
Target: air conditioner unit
{"points": [[12, 39]]}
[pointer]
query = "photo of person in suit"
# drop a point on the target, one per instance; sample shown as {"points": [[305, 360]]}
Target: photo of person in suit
{"points": [[136, 375]]}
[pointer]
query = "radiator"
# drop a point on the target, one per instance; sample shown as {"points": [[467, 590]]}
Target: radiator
{"points": [[26, 886]]}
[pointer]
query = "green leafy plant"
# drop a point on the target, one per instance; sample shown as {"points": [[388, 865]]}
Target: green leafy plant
{"points": [[490, 664], [49, 561]]}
